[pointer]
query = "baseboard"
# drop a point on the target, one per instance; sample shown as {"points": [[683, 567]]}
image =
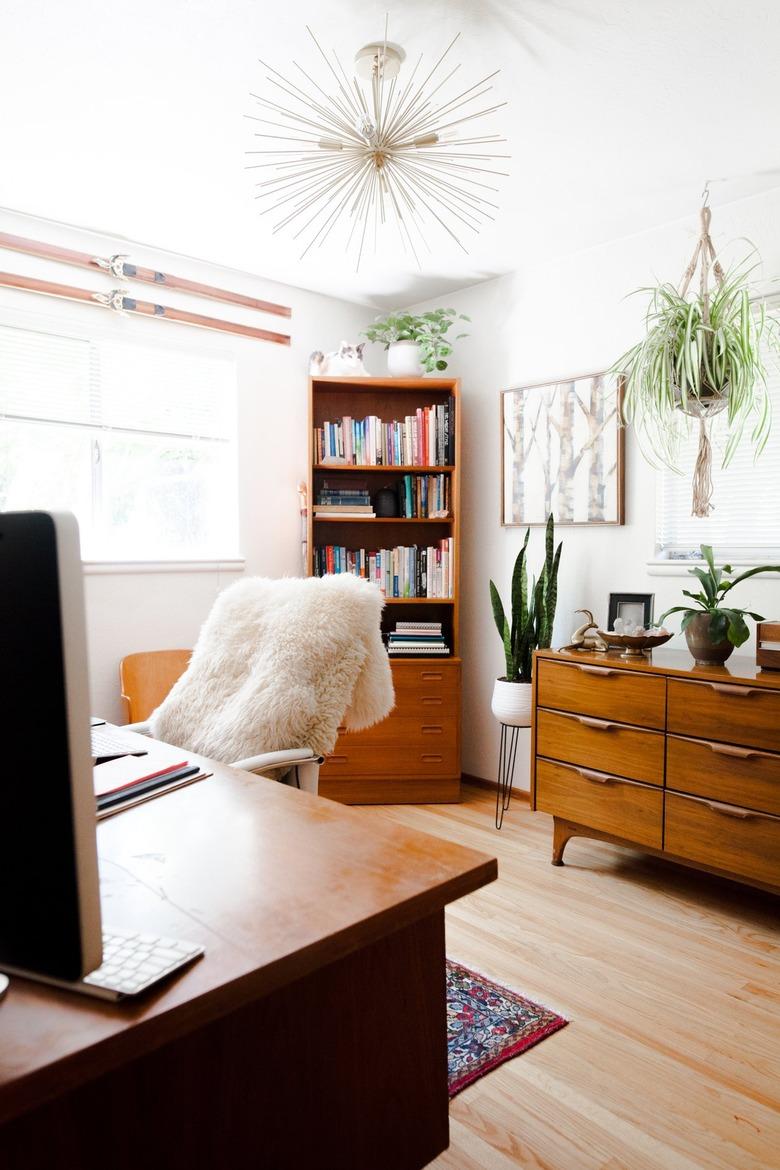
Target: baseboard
{"points": [[480, 782]]}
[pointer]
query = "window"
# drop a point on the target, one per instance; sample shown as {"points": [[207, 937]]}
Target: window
{"points": [[138, 441], [745, 522]]}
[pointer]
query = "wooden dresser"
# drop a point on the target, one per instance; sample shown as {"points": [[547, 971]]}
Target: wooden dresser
{"points": [[413, 756], [681, 760]]}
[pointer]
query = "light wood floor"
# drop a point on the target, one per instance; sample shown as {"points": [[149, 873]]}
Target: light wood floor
{"points": [[671, 980]]}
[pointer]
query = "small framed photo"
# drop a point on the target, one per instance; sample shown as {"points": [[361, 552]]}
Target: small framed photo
{"points": [[636, 608]]}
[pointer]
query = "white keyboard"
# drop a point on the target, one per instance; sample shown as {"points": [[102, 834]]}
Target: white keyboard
{"points": [[132, 962], [109, 745]]}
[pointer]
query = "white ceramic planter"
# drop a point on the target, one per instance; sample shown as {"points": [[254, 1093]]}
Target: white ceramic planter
{"points": [[511, 703], [403, 359]]}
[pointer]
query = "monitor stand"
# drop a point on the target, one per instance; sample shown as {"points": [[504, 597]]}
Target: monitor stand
{"points": [[3, 985]]}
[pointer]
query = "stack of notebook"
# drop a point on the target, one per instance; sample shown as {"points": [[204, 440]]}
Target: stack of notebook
{"points": [[417, 639], [129, 780]]}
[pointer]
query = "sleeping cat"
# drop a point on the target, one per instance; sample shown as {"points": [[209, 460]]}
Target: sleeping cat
{"points": [[345, 362]]}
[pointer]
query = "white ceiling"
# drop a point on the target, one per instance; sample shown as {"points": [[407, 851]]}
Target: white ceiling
{"points": [[129, 119]]}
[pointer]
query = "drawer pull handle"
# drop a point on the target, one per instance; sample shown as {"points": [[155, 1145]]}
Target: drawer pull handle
{"points": [[597, 777], [432, 700], [432, 729], [600, 724], [602, 670], [430, 676], [725, 749], [432, 759], [336, 759], [727, 689], [729, 810]]}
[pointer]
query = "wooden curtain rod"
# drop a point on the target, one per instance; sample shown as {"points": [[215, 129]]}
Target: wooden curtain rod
{"points": [[121, 303], [120, 267]]}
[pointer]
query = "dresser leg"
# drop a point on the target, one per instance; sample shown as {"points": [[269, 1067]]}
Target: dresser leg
{"points": [[563, 832]]}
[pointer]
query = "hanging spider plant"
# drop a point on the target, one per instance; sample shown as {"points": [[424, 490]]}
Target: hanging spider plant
{"points": [[702, 354]]}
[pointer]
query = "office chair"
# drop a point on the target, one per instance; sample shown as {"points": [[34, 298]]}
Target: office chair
{"points": [[146, 678], [279, 663]]}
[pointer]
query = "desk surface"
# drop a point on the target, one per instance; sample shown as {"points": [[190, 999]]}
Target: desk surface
{"points": [[273, 882]]}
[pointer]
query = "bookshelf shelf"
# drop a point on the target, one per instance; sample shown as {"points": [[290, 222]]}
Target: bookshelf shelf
{"points": [[387, 468], [382, 520], [413, 756]]}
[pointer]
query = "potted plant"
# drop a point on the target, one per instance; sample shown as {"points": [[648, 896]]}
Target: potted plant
{"points": [[532, 614], [415, 343], [713, 629]]}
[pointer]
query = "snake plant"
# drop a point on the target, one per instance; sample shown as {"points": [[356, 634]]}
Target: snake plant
{"points": [[533, 610]]}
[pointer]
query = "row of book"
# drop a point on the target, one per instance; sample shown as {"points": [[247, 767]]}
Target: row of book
{"points": [[406, 571], [417, 639], [425, 497], [353, 502], [425, 438]]}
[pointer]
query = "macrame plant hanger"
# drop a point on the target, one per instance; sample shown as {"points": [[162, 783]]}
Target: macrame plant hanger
{"points": [[703, 409]]}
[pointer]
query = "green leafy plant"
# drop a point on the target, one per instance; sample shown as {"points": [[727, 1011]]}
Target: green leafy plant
{"points": [[700, 355], [429, 331], [532, 610], [727, 622]]}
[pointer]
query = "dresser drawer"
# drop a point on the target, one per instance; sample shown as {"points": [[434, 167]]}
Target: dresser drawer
{"points": [[725, 772], [724, 836], [436, 759], [726, 712], [601, 801], [605, 692], [597, 743], [435, 725], [425, 683]]}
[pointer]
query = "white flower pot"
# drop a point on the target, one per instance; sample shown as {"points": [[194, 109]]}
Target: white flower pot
{"points": [[511, 703], [403, 359]]}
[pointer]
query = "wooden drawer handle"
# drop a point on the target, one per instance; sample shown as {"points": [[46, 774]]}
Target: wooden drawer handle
{"points": [[600, 724], [727, 749], [432, 700], [336, 759], [727, 689], [430, 676], [432, 759], [432, 729], [739, 814], [598, 777], [594, 669]]}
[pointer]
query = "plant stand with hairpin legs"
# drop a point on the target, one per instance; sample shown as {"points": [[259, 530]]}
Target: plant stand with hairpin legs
{"points": [[507, 756]]}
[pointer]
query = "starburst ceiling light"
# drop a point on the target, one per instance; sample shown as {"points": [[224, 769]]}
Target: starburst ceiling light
{"points": [[352, 155]]}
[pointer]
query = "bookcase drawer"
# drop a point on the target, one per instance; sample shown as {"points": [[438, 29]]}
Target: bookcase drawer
{"points": [[435, 759], [632, 752], [726, 712], [601, 801], [420, 683], [736, 775], [436, 725], [604, 692], [724, 836]]}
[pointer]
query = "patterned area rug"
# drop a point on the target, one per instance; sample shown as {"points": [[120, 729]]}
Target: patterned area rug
{"points": [[487, 1024]]}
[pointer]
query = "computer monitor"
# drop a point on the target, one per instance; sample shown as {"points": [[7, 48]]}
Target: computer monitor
{"points": [[49, 892]]}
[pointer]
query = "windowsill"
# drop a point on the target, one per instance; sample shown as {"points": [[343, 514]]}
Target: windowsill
{"points": [[228, 565], [663, 568]]}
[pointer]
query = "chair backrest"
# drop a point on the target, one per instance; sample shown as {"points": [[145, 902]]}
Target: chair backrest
{"points": [[146, 678]]}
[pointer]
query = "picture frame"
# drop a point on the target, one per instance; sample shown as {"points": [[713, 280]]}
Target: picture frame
{"points": [[636, 607], [563, 451]]}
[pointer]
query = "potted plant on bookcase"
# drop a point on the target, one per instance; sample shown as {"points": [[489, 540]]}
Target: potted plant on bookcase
{"points": [[416, 343], [532, 613]]}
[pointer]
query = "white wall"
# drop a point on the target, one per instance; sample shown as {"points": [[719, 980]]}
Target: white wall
{"points": [[128, 612], [571, 317]]}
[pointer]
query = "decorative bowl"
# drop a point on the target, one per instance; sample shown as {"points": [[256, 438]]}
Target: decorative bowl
{"points": [[634, 646]]}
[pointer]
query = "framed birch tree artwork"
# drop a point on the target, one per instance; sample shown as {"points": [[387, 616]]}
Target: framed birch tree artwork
{"points": [[562, 452]]}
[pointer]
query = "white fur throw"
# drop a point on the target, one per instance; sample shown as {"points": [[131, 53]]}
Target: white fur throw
{"points": [[280, 664]]}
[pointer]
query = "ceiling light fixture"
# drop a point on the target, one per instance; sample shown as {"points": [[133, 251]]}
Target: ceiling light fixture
{"points": [[355, 154]]}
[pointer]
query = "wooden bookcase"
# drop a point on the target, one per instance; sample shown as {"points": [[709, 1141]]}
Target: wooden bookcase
{"points": [[413, 756]]}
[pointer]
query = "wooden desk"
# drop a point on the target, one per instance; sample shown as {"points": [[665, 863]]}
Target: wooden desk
{"points": [[312, 1033]]}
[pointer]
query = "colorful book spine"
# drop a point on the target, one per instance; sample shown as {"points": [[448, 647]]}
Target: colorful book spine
{"points": [[406, 571], [425, 438]]}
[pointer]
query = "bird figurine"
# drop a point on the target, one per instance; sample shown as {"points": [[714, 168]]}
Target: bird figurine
{"points": [[582, 640]]}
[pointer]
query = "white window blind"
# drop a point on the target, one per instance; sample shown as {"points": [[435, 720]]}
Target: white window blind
{"points": [[745, 521], [138, 440]]}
